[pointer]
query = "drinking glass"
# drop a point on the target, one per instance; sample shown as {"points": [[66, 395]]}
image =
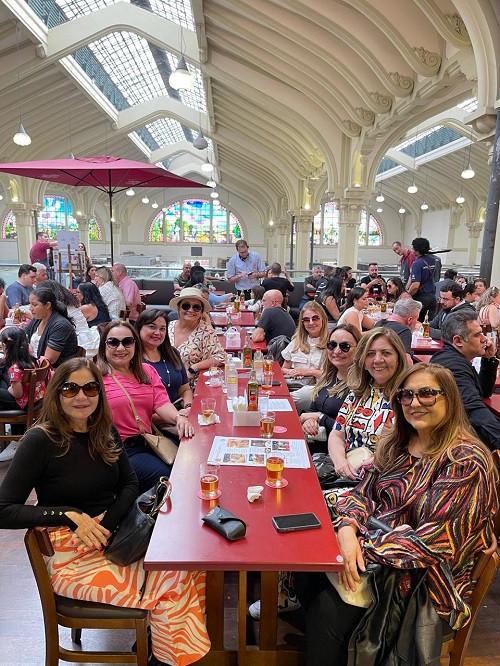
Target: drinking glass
{"points": [[267, 421], [267, 382], [207, 408], [209, 481], [274, 472]]}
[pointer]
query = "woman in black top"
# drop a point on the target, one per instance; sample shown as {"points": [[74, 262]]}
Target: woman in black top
{"points": [[92, 306], [331, 388], [84, 483]]}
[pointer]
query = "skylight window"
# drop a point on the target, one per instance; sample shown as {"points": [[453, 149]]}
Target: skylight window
{"points": [[469, 105], [166, 131], [418, 137]]}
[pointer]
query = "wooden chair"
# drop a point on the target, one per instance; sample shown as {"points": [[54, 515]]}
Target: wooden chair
{"points": [[78, 615], [124, 314], [141, 307], [454, 650], [82, 352], [29, 415]]}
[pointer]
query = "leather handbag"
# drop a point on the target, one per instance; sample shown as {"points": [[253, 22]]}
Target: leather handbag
{"points": [[130, 541], [163, 446], [226, 523]]}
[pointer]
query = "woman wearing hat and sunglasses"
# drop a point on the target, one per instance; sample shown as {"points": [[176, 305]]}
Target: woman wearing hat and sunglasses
{"points": [[191, 336], [120, 359]]}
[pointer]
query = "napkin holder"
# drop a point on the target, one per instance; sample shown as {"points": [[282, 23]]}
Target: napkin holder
{"points": [[247, 419], [233, 338]]}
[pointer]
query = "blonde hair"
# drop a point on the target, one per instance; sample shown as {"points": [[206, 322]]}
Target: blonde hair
{"points": [[300, 336], [330, 371], [359, 379], [487, 297], [453, 429]]}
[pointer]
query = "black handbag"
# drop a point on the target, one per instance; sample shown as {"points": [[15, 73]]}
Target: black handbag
{"points": [[130, 541], [226, 523]]}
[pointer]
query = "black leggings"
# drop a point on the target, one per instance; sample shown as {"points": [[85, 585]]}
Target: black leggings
{"points": [[330, 622]]}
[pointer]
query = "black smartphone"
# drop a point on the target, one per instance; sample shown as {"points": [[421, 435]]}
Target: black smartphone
{"points": [[295, 521]]}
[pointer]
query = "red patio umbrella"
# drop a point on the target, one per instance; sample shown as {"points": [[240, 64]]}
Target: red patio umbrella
{"points": [[105, 173]]}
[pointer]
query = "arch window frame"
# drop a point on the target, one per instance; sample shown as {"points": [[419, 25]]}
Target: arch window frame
{"points": [[370, 227]]}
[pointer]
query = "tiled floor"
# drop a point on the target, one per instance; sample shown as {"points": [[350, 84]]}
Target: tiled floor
{"points": [[21, 625]]}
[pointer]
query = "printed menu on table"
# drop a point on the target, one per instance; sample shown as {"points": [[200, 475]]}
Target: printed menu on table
{"points": [[253, 451]]}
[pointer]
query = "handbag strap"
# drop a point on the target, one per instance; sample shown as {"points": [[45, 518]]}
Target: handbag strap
{"points": [[132, 406]]}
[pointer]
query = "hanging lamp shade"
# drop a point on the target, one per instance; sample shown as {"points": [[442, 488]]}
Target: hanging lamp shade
{"points": [[181, 78], [21, 138], [200, 143]]}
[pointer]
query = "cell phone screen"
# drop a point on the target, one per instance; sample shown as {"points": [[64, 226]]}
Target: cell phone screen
{"points": [[295, 521]]}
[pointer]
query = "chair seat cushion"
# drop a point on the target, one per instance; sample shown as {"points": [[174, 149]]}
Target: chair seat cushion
{"points": [[12, 413], [94, 610]]}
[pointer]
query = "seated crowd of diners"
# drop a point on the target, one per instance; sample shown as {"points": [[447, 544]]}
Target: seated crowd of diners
{"points": [[405, 431]]}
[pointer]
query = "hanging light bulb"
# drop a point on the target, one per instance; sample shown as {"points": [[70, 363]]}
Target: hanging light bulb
{"points": [[145, 199], [154, 205], [214, 195], [207, 167], [130, 192], [164, 209], [402, 210], [181, 78], [1, 197], [468, 173], [200, 143], [22, 138], [380, 197], [271, 223], [424, 206], [460, 199], [412, 189], [211, 183], [379, 209], [216, 202]]}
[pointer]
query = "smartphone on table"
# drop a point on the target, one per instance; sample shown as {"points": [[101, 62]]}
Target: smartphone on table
{"points": [[295, 521]]}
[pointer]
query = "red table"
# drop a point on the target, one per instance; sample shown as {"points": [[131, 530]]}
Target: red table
{"points": [[254, 345], [427, 349], [181, 541], [204, 391], [493, 403], [246, 318]]}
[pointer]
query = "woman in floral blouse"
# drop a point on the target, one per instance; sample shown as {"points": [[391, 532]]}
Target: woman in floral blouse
{"points": [[433, 485], [190, 335]]}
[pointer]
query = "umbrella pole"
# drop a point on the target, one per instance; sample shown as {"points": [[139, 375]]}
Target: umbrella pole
{"points": [[111, 225]]}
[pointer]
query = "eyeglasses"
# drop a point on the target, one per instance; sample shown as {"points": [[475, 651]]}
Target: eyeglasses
{"points": [[426, 396], [343, 346], [114, 343], [190, 306], [306, 320], [70, 389]]}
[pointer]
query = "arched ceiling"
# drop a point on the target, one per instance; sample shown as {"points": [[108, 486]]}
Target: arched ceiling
{"points": [[293, 94]]}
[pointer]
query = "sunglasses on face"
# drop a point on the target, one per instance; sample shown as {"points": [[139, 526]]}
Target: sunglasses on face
{"points": [[114, 343], [426, 396], [307, 320], [189, 306], [70, 389], [343, 346]]}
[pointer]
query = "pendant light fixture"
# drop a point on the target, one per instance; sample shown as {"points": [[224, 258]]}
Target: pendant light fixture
{"points": [[380, 197], [211, 183], [200, 143], [154, 205], [468, 172], [130, 192], [181, 78], [145, 199], [21, 138]]}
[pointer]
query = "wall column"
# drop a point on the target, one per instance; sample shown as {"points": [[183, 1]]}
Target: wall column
{"points": [[270, 239], [455, 214], [303, 224], [83, 228], [283, 232], [349, 221], [475, 229], [25, 224]]}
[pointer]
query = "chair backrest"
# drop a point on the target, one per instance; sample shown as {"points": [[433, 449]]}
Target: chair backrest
{"points": [[141, 307], [32, 376], [81, 352], [124, 314]]}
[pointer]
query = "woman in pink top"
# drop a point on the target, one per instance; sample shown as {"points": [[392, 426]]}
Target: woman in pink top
{"points": [[488, 307], [120, 360]]}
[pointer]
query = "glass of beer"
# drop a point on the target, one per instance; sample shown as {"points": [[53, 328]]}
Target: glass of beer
{"points": [[267, 420], [209, 481], [274, 471], [267, 382], [207, 408], [268, 363]]}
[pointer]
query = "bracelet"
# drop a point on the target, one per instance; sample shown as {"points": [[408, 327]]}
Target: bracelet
{"points": [[192, 371], [188, 404]]}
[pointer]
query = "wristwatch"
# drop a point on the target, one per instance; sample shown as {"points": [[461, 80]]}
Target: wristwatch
{"points": [[188, 404], [192, 371]]}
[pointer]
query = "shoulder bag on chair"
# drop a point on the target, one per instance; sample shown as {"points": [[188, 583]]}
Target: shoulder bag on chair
{"points": [[164, 447]]}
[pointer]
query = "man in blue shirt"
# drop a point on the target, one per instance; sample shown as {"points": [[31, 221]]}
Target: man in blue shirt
{"points": [[245, 268], [19, 292], [422, 287]]}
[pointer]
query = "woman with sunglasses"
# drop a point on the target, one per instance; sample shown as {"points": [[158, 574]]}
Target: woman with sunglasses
{"points": [[305, 353], [433, 485], [396, 290], [330, 391], [190, 335], [120, 359], [151, 327], [51, 331], [74, 460], [379, 360], [356, 301]]}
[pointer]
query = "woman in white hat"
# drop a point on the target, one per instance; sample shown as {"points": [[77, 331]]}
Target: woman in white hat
{"points": [[191, 336]]}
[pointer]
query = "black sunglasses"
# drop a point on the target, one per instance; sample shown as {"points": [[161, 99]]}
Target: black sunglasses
{"points": [[426, 396], [343, 346], [306, 320], [114, 343], [190, 306], [70, 389]]}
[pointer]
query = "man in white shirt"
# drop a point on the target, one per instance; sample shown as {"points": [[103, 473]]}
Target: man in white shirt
{"points": [[245, 268]]}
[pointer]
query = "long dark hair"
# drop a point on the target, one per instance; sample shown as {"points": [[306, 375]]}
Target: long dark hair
{"points": [[354, 295], [166, 350], [136, 362], [46, 295], [62, 294], [197, 275], [333, 288], [17, 350], [55, 423], [92, 296], [401, 289]]}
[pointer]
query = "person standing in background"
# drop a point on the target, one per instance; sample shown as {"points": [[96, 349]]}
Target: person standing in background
{"points": [[406, 259], [38, 252], [245, 268], [422, 287], [129, 289]]}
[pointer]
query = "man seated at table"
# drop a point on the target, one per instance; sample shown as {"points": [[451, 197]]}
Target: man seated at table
{"points": [[373, 283], [274, 320], [448, 280], [470, 295], [275, 281], [41, 273], [310, 286], [18, 293], [451, 298], [129, 289], [403, 320], [463, 340], [183, 278]]}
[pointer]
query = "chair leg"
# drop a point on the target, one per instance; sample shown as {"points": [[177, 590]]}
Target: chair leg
{"points": [[76, 636]]}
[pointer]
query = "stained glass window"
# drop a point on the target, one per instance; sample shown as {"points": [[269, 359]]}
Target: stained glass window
{"points": [[9, 229], [95, 233], [326, 226], [198, 220]]}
